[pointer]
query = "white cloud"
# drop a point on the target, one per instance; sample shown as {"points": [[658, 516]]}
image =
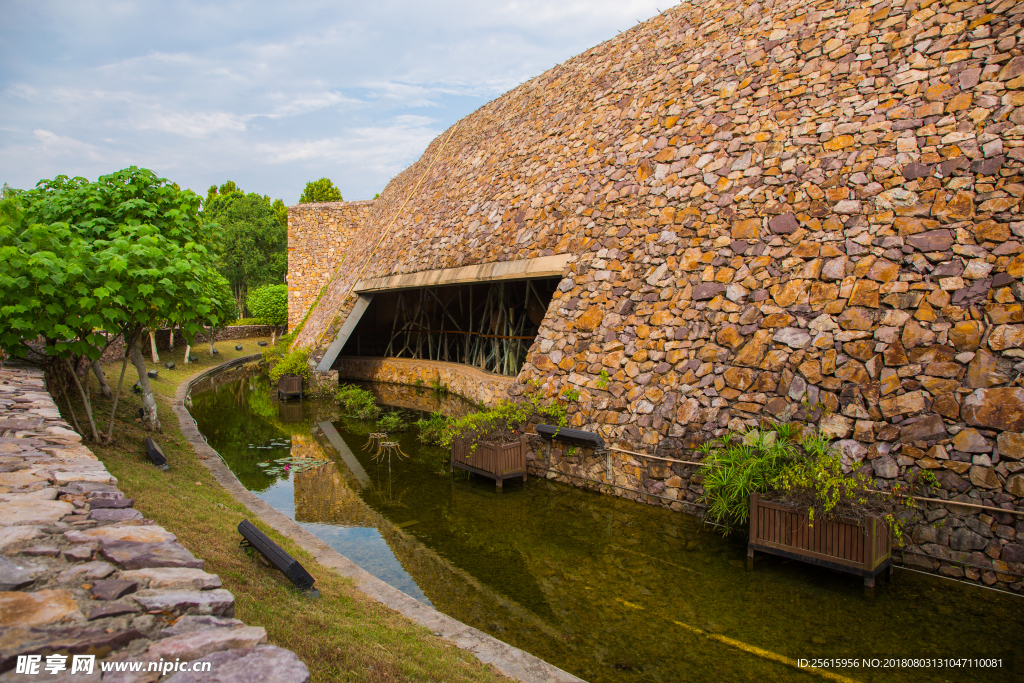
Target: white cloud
{"points": [[269, 95], [59, 145], [382, 149]]}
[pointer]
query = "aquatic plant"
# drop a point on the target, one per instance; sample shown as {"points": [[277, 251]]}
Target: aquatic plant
{"points": [[430, 428], [815, 482], [358, 402], [392, 422], [806, 473], [293, 465]]}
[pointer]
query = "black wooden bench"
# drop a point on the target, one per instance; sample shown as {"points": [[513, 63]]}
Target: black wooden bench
{"points": [[277, 557], [577, 437]]}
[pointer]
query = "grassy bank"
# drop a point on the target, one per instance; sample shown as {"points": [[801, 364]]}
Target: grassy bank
{"points": [[345, 635]]}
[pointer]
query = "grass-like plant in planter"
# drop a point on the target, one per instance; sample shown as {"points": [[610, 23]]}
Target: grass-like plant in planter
{"points": [[787, 486], [491, 442]]}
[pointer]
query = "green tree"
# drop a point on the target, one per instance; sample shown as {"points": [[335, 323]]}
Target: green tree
{"points": [[125, 253], [322, 190], [252, 242], [223, 309], [269, 305], [48, 291], [281, 211]]}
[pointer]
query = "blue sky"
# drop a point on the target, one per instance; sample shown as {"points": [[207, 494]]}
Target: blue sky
{"points": [[268, 94]]}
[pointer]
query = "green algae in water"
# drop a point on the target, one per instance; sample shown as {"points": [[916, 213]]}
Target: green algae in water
{"points": [[605, 588]]}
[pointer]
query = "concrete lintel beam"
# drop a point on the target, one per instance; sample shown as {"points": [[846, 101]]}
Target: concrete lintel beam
{"points": [[545, 266]]}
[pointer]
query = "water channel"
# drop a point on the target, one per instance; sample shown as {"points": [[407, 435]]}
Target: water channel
{"points": [[605, 588]]}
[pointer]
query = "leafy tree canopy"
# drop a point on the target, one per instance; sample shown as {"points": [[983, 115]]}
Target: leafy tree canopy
{"points": [[125, 251], [252, 241], [322, 190], [270, 304]]}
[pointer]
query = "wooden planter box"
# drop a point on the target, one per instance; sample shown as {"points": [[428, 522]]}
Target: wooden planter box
{"points": [[861, 547], [289, 386], [497, 461]]}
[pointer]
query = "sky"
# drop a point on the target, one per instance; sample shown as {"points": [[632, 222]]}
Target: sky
{"points": [[268, 94]]}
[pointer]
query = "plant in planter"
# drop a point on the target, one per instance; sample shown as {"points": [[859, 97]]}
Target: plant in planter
{"points": [[735, 468], [799, 503], [490, 442]]}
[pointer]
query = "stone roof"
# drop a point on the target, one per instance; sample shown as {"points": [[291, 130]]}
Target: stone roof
{"points": [[768, 204]]}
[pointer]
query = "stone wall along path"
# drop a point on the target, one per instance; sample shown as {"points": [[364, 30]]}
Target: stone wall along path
{"points": [[83, 572]]}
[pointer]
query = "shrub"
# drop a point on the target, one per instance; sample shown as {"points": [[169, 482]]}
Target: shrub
{"points": [[358, 402], [269, 304], [245, 321], [293, 363], [322, 190]]}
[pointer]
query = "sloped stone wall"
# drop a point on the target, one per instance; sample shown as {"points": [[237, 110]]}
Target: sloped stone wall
{"points": [[785, 210], [83, 573], [318, 237]]}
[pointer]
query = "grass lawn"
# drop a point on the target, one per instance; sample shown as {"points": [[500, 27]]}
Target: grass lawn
{"points": [[343, 636]]}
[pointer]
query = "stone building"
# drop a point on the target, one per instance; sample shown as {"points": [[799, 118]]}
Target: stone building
{"points": [[785, 209]]}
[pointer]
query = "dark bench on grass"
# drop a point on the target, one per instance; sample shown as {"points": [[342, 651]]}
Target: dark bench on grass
{"points": [[276, 556]]}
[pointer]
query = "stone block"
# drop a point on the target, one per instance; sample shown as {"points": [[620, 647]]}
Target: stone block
{"points": [[16, 573], [174, 577], [201, 643], [971, 441], [259, 664], [37, 609], [928, 428], [999, 408], [141, 555], [217, 602]]}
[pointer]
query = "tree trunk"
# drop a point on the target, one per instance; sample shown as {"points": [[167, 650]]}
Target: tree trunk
{"points": [[117, 394], [152, 346], [85, 400], [188, 352], [104, 387], [240, 300], [172, 340], [150, 420], [273, 336]]}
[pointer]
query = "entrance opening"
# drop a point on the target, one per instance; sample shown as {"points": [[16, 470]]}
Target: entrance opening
{"points": [[489, 325]]}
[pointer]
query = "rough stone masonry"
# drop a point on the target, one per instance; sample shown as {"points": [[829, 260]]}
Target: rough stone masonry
{"points": [[786, 210], [82, 572]]}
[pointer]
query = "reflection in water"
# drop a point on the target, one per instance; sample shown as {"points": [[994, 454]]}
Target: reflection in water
{"points": [[608, 589]]}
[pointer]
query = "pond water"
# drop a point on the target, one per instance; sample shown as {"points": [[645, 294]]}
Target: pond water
{"points": [[605, 588]]}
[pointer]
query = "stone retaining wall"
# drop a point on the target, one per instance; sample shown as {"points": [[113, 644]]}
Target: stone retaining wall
{"points": [[468, 382], [318, 238], [82, 572]]}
